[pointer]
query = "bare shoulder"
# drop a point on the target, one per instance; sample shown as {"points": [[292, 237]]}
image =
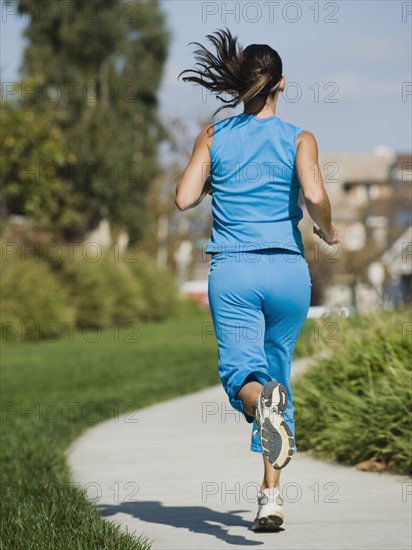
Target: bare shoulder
{"points": [[306, 137], [306, 141], [205, 136]]}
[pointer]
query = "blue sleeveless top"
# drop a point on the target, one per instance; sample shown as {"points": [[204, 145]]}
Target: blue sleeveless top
{"points": [[255, 185]]}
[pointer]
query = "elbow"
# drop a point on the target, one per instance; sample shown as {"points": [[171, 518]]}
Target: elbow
{"points": [[184, 202], [316, 198], [181, 205]]}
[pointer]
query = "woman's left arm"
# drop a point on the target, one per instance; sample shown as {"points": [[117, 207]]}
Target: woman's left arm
{"points": [[194, 184]]}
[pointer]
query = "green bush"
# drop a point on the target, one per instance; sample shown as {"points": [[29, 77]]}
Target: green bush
{"points": [[128, 302], [86, 285], [104, 291], [355, 405], [188, 308], [160, 289], [34, 305]]}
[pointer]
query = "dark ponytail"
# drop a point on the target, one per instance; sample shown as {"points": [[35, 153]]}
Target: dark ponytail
{"points": [[244, 74]]}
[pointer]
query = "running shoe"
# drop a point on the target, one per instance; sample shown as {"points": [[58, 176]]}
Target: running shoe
{"points": [[270, 511], [276, 438]]}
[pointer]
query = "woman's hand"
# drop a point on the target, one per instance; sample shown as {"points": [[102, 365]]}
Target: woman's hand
{"points": [[330, 237]]}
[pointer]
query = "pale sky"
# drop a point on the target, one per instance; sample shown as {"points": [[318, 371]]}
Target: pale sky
{"points": [[357, 53]]}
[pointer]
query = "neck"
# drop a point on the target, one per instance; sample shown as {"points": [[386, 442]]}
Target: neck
{"points": [[268, 109]]}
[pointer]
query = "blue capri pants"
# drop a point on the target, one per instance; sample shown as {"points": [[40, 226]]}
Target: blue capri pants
{"points": [[259, 301]]}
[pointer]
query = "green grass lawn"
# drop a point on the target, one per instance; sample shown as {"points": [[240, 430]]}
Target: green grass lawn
{"points": [[53, 391]]}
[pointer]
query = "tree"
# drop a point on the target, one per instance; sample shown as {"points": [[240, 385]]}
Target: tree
{"points": [[97, 66], [33, 151]]}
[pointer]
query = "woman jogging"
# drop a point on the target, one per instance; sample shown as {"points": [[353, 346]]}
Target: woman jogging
{"points": [[254, 166]]}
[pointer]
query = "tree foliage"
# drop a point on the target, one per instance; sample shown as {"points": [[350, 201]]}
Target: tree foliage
{"points": [[33, 153], [97, 67]]}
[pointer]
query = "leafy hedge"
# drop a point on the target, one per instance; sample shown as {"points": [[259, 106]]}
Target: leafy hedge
{"points": [[34, 303], [44, 299], [355, 405]]}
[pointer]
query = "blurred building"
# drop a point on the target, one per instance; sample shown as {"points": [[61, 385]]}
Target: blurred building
{"points": [[371, 198]]}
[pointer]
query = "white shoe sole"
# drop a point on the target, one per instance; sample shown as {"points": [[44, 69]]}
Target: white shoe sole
{"points": [[276, 437]]}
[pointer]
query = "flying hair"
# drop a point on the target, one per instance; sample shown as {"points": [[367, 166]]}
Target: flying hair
{"points": [[242, 73]]}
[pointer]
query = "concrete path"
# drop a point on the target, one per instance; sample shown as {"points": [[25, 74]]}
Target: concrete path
{"points": [[181, 473]]}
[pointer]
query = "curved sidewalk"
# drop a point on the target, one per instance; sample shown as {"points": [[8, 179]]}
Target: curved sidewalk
{"points": [[181, 473]]}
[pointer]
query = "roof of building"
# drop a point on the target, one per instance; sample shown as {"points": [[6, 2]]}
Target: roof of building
{"points": [[340, 168]]}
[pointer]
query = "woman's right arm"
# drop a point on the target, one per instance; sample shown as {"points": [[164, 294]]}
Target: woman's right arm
{"points": [[314, 192]]}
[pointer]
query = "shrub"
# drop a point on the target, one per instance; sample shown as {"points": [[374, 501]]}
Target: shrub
{"points": [[103, 291], [86, 285], [34, 303], [128, 302], [161, 291], [85, 291], [189, 308], [355, 403]]}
